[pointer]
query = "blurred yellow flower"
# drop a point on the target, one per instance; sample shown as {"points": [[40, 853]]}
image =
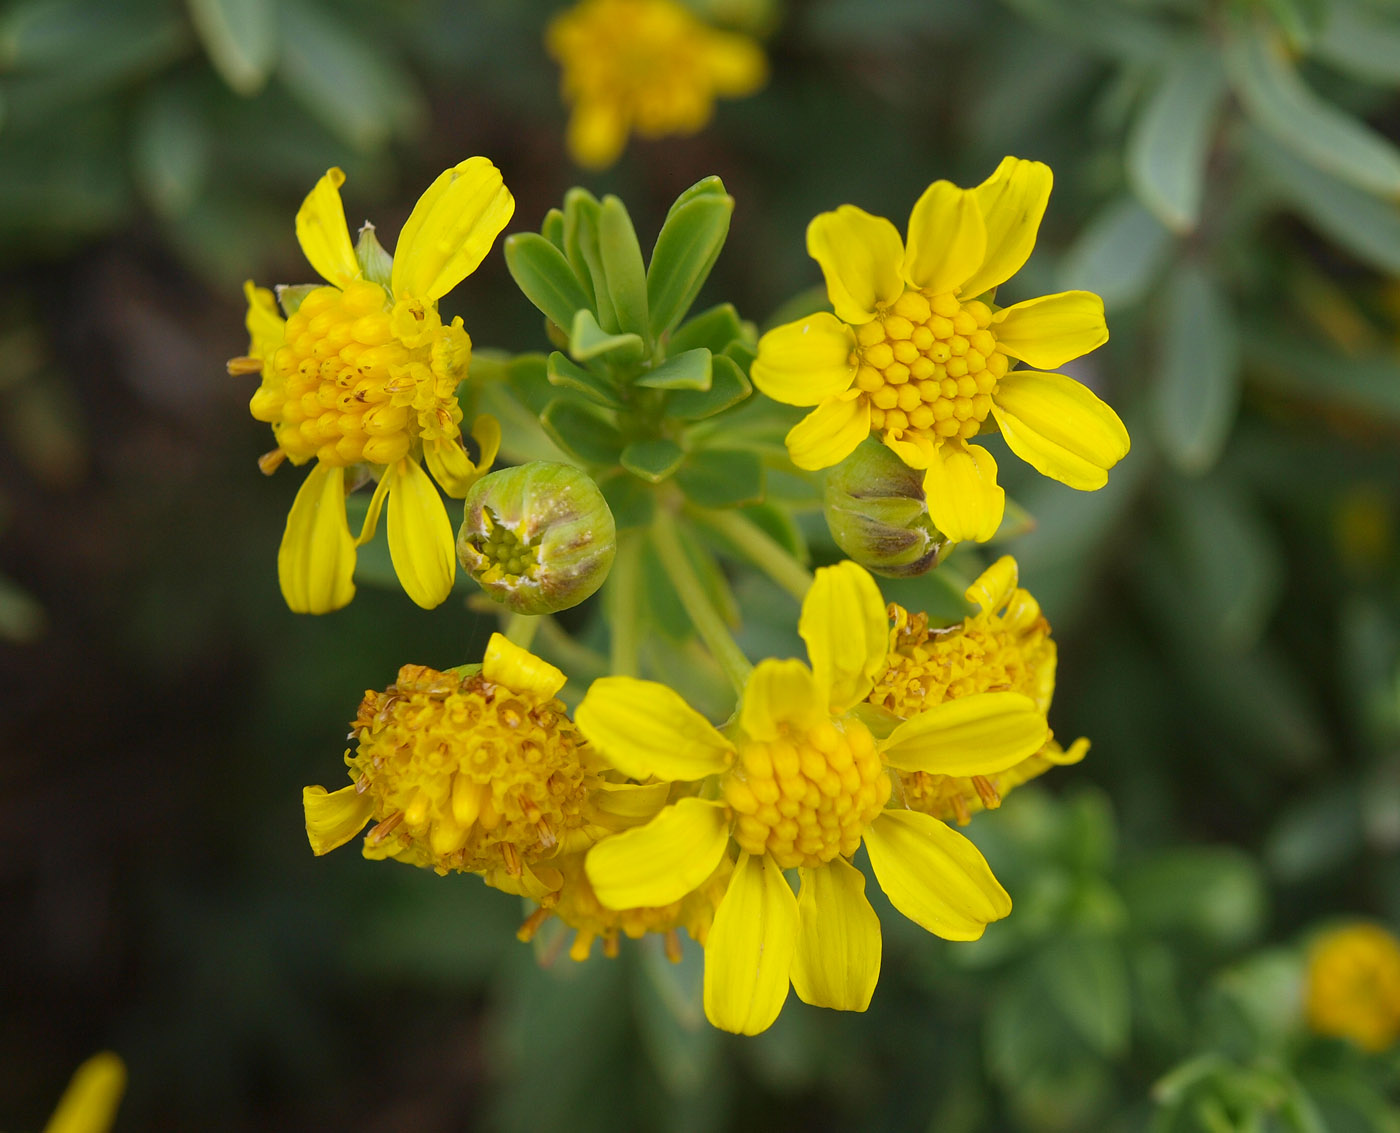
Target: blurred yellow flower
{"points": [[89, 1104], [1353, 986], [919, 353], [801, 782], [648, 66], [363, 375], [1004, 646], [479, 772]]}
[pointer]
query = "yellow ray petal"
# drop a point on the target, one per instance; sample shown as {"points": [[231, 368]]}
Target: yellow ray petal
{"points": [[994, 585], [780, 692], [662, 861], [421, 544], [89, 1103], [644, 728], [1012, 201], [597, 133], [830, 433], [451, 229], [1053, 329], [322, 234], [333, 818], [316, 561], [806, 362], [749, 952], [972, 735], [964, 499], [519, 669], [266, 327], [844, 625], [837, 963], [861, 257], [736, 64], [1059, 427], [947, 238], [933, 875]]}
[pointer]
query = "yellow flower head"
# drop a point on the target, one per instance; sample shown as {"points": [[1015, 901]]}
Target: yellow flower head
{"points": [[363, 374], [798, 780], [480, 773], [578, 907], [919, 353], [1005, 646], [644, 65], [1353, 986], [89, 1104]]}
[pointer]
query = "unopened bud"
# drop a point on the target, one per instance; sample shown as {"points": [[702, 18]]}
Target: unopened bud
{"points": [[537, 538], [877, 513]]}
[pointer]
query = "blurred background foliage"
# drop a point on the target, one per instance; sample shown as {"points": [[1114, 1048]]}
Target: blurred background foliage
{"points": [[1228, 609]]}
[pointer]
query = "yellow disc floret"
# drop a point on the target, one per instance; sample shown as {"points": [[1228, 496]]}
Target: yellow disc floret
{"points": [[467, 773], [807, 797], [359, 377], [929, 365], [1353, 986]]}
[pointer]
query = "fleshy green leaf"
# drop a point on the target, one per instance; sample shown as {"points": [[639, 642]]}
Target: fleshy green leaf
{"points": [[653, 460], [240, 37], [1088, 980], [1360, 41], [1171, 139], [728, 386], [686, 249], [1118, 256], [588, 340], [544, 275], [1197, 391], [622, 267], [722, 478], [171, 152], [582, 431], [565, 374], [687, 371], [552, 228], [582, 216], [631, 501], [713, 329]]}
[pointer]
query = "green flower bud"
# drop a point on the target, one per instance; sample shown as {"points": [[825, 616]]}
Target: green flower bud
{"points": [[877, 513], [537, 538]]}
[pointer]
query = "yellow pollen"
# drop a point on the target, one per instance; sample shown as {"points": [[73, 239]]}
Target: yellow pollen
{"points": [[358, 378], [929, 365], [467, 774], [807, 798]]}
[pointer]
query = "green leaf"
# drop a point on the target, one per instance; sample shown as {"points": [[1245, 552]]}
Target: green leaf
{"points": [[728, 386], [1088, 980], [1197, 391], [623, 271], [565, 374], [685, 251], [582, 216], [588, 340], [653, 460], [1294, 366], [1283, 106], [1119, 255], [171, 157], [632, 502], [240, 37], [778, 523], [1367, 227], [1299, 20], [687, 371], [1170, 142], [1362, 42], [1212, 892], [710, 186], [743, 354], [582, 431], [713, 329], [544, 275], [722, 478], [552, 228]]}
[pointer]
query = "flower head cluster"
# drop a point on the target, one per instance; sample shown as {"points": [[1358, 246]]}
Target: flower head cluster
{"points": [[919, 353], [648, 66], [362, 375], [1353, 986], [1004, 646]]}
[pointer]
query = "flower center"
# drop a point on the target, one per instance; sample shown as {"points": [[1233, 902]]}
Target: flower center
{"points": [[506, 554], [358, 378], [806, 798], [929, 365], [468, 774]]}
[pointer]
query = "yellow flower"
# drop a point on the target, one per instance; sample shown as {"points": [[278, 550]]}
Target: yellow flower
{"points": [[578, 907], [919, 353], [644, 65], [1005, 646], [89, 1104], [479, 772], [1353, 986], [363, 375], [799, 781]]}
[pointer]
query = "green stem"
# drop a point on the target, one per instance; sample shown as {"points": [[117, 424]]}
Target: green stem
{"points": [[520, 629], [580, 662], [708, 622], [761, 549], [624, 594]]}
